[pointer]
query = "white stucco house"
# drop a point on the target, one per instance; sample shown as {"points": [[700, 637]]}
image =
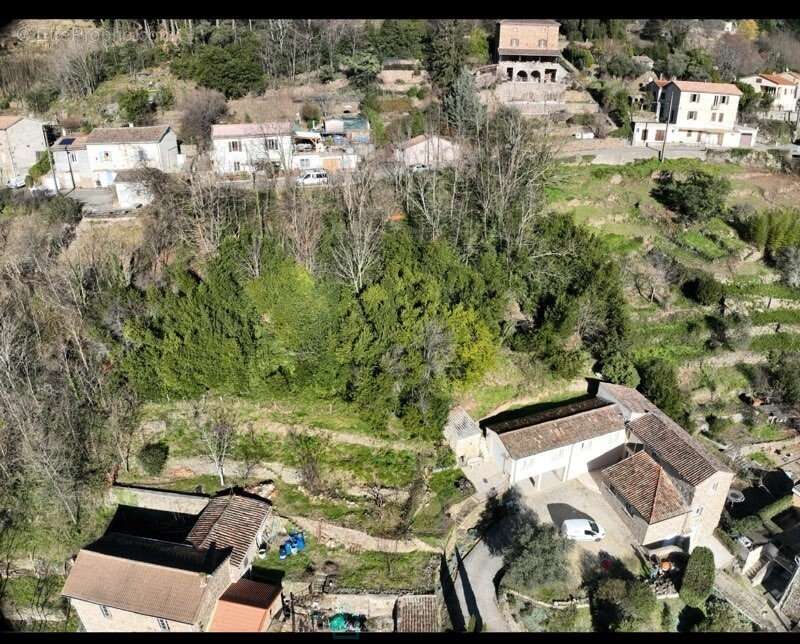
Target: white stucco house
{"points": [[693, 113], [22, 140], [110, 150], [131, 190], [663, 484], [245, 147], [430, 150], [784, 89]]}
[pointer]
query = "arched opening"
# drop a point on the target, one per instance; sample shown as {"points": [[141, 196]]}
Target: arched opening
{"points": [[522, 76], [536, 76]]}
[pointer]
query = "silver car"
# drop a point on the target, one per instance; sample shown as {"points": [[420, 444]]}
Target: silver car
{"points": [[16, 182], [312, 178]]}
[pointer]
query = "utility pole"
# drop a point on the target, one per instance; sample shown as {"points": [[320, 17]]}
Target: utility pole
{"points": [[291, 603], [69, 163]]}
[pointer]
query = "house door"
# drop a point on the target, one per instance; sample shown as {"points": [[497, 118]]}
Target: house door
{"points": [[644, 135], [719, 139], [699, 137], [660, 135], [746, 140]]}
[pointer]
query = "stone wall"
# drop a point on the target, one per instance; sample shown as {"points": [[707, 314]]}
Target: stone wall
{"points": [[158, 499], [754, 158]]}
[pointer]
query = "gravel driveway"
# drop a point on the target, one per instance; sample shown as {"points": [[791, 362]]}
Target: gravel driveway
{"points": [[476, 592]]}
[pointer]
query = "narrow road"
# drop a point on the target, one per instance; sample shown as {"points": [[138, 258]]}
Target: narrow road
{"points": [[476, 592]]}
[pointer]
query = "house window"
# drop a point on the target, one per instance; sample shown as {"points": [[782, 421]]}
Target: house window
{"points": [[515, 42], [715, 487], [692, 116], [304, 163], [694, 98], [720, 117], [542, 43], [237, 166], [699, 511], [105, 612], [163, 625], [234, 146], [73, 157], [272, 144], [106, 156], [724, 99]]}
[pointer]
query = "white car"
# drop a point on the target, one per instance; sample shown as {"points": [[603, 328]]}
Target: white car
{"points": [[419, 167], [796, 149], [16, 182], [582, 530], [312, 178]]}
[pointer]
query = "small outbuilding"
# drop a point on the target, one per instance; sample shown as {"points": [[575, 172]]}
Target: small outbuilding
{"points": [[463, 435], [426, 149]]}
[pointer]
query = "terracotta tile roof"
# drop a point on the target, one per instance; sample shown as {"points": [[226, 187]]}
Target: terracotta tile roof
{"points": [[104, 135], [250, 130], [137, 587], [675, 447], [647, 487], [245, 607], [417, 614], [707, 88], [597, 420], [9, 120], [230, 522], [628, 397], [777, 79]]}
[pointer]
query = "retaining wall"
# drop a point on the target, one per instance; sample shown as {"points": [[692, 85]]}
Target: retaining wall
{"points": [[158, 499]]}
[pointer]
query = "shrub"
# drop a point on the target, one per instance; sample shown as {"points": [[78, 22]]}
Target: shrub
{"points": [[153, 457], [562, 621], [165, 98], [41, 97], [578, 56], [698, 579], [537, 557], [619, 369], [625, 605], [704, 289], [135, 106], [700, 196], [62, 209], [310, 112], [721, 617], [5, 103]]}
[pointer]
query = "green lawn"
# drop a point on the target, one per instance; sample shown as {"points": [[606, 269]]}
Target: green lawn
{"points": [[782, 341], [775, 316]]}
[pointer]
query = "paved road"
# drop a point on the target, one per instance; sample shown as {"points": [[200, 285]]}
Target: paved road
{"points": [[476, 592], [616, 155]]}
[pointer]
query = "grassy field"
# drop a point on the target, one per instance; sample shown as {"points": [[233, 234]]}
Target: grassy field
{"points": [[370, 571]]}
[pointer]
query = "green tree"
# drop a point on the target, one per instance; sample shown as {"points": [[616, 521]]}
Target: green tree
{"points": [[700, 196], [399, 38], [135, 106], [447, 52], [698, 578], [363, 68], [626, 606], [619, 369], [233, 69], [721, 617], [478, 48], [784, 375], [41, 97], [537, 556], [462, 108], [659, 382], [704, 289]]}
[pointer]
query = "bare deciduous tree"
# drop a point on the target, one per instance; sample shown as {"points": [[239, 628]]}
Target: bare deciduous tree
{"points": [[217, 433], [300, 221], [363, 216]]}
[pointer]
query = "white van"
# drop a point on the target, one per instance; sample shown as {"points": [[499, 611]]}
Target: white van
{"points": [[796, 149], [582, 530], [312, 178]]}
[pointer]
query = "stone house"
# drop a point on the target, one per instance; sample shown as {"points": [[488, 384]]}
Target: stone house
{"points": [[110, 150], [22, 140], [693, 113], [164, 571], [665, 486], [71, 162], [528, 51], [785, 91], [430, 150]]}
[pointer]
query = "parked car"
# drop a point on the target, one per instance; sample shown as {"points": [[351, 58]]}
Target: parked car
{"points": [[419, 167], [582, 530], [312, 178], [16, 182], [796, 149], [42, 191]]}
